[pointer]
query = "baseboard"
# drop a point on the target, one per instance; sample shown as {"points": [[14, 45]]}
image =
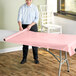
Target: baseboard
{"points": [[12, 49]]}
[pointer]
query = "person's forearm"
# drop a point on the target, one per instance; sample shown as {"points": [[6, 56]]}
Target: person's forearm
{"points": [[20, 24], [30, 25], [33, 23]]}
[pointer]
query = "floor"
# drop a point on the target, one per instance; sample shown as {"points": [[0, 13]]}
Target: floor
{"points": [[10, 64]]}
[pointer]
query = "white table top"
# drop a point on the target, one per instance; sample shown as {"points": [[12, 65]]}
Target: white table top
{"points": [[5, 33]]}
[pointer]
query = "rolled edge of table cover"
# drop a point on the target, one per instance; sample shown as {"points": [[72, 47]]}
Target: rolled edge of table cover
{"points": [[62, 42]]}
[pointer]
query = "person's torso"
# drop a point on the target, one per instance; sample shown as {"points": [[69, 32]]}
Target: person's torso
{"points": [[28, 14]]}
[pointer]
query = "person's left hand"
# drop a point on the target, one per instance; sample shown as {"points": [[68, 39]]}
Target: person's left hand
{"points": [[29, 27]]}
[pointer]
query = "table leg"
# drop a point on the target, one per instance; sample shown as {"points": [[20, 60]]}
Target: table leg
{"points": [[60, 63], [60, 60], [67, 62]]}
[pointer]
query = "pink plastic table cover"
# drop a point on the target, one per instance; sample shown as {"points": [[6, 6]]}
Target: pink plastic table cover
{"points": [[64, 42]]}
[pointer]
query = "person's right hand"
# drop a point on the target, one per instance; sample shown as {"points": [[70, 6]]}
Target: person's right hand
{"points": [[20, 28]]}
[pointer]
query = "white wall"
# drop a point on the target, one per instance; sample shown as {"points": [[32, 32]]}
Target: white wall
{"points": [[9, 13], [52, 4], [68, 26]]}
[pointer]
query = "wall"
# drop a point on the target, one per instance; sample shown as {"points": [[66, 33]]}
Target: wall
{"points": [[68, 26], [52, 4], [8, 14]]}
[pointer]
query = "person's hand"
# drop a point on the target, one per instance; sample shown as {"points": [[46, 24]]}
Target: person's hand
{"points": [[29, 27], [20, 28]]}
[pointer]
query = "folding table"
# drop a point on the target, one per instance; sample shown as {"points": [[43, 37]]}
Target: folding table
{"points": [[62, 42]]}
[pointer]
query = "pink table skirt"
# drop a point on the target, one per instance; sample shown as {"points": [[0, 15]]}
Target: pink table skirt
{"points": [[62, 42]]}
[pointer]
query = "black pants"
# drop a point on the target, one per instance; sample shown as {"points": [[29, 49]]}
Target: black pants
{"points": [[25, 47]]}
